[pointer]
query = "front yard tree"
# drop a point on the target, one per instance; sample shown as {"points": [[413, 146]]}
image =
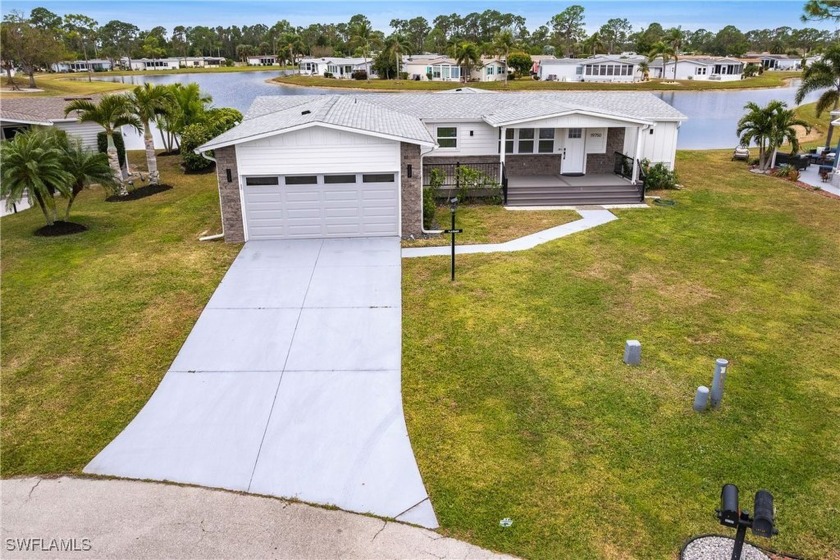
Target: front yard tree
{"points": [[147, 102], [503, 42], [34, 166], [521, 63], [83, 29], [666, 51], [85, 167], [769, 127], [468, 56], [111, 113], [823, 74], [27, 46], [363, 37]]}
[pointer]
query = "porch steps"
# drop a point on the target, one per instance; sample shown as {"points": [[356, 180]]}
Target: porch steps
{"points": [[572, 195]]}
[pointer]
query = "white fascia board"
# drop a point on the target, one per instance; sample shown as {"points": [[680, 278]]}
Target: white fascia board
{"points": [[210, 146], [24, 121], [586, 113]]}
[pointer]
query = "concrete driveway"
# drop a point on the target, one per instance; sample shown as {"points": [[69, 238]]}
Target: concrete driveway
{"points": [[288, 385]]}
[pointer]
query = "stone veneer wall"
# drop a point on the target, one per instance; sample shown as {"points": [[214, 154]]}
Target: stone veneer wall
{"points": [[462, 159], [411, 190], [518, 165], [605, 163], [229, 194]]}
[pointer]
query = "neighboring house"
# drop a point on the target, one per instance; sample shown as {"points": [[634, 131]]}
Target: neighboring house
{"points": [[337, 66], [96, 65], [489, 70], [201, 61], [778, 61], [262, 60], [536, 59], [699, 68], [433, 67], [142, 64], [353, 166], [601, 68], [21, 113]]}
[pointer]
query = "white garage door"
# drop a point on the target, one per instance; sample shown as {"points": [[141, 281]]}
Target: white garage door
{"points": [[335, 205]]}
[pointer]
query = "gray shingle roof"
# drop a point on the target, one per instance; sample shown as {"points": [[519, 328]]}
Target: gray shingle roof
{"points": [[401, 115], [36, 110]]}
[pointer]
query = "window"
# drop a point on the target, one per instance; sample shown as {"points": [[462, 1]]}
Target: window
{"points": [[700, 70], [526, 141], [261, 181], [339, 179], [546, 145], [456, 73], [447, 137], [509, 141], [378, 178], [579, 70], [302, 180], [490, 70], [575, 133]]}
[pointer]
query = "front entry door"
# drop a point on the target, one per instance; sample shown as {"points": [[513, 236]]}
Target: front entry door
{"points": [[574, 153]]}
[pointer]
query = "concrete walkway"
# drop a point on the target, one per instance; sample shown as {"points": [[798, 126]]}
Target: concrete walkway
{"points": [[589, 219], [811, 176], [131, 519], [289, 385]]}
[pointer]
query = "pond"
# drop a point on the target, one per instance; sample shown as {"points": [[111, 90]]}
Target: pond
{"points": [[712, 115]]}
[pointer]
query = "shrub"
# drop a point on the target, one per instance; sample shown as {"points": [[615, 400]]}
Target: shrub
{"points": [[658, 176], [430, 194], [471, 180], [212, 123], [360, 75], [328, 74], [403, 75], [102, 145], [429, 76], [786, 171]]}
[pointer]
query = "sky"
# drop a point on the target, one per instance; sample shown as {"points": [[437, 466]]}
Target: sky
{"points": [[690, 14]]}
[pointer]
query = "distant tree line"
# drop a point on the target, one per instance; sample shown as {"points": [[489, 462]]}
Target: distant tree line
{"points": [[43, 37]]}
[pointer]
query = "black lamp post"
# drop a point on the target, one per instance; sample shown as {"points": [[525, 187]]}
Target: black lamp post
{"points": [[730, 514], [453, 205]]}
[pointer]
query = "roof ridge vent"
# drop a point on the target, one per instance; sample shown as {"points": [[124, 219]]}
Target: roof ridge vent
{"points": [[306, 112]]}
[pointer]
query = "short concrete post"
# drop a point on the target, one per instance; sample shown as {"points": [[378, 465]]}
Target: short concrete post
{"points": [[701, 399], [717, 382], [633, 352]]}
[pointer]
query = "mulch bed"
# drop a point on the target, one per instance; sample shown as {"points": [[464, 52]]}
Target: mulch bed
{"points": [[139, 192], [59, 228]]}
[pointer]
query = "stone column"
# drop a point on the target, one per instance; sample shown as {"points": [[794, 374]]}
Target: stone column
{"points": [[411, 190], [229, 194]]}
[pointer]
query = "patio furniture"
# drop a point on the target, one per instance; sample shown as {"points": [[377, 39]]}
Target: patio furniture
{"points": [[742, 153], [798, 161]]}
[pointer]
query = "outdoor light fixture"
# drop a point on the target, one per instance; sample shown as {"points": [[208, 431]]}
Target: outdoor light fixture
{"points": [[229, 175], [731, 515], [408, 170], [453, 205]]}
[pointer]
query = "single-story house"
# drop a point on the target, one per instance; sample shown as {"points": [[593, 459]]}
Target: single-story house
{"points": [[142, 64], [489, 70], [305, 166], [95, 65], [779, 61], [263, 60], [337, 66], [699, 68], [602, 68], [536, 59], [20, 113], [201, 61], [433, 67]]}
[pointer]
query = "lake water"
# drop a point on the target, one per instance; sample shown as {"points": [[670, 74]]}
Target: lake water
{"points": [[712, 115]]}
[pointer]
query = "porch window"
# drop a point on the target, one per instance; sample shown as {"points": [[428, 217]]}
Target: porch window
{"points": [[546, 144], [526, 141], [445, 72], [575, 133], [456, 72], [509, 140], [447, 137]]}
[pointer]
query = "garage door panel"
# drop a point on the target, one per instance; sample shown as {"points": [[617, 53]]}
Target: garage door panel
{"points": [[322, 210]]}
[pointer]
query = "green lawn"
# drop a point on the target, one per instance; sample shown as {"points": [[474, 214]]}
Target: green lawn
{"points": [[91, 322], [519, 406], [766, 80], [62, 84], [491, 224]]}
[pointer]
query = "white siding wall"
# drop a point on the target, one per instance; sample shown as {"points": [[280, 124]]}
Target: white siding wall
{"points": [[661, 146], [563, 72], [573, 121], [317, 150], [483, 142], [86, 132]]}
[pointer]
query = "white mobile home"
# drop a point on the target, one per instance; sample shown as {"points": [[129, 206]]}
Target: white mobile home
{"points": [[780, 62], [262, 60], [489, 70], [604, 68], [354, 166], [699, 68], [95, 65], [338, 67], [144, 64], [431, 67]]}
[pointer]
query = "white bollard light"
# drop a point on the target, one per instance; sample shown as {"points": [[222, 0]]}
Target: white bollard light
{"points": [[633, 352], [717, 383], [701, 399]]}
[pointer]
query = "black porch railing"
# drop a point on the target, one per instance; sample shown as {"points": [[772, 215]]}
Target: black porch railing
{"points": [[624, 167], [453, 174]]}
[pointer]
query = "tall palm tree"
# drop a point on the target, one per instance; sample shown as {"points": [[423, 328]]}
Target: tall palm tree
{"points": [[34, 166], [467, 56], [147, 102], [666, 51], [674, 38], [823, 74], [85, 167], [363, 37], [399, 45], [769, 127], [503, 42], [111, 113]]}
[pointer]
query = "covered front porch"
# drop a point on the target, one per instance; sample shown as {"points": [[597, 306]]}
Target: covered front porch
{"points": [[563, 190]]}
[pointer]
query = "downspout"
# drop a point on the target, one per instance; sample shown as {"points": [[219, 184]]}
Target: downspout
{"points": [[218, 235]]}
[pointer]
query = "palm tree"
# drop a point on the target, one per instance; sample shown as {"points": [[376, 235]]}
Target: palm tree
{"points": [[674, 39], [398, 45], [111, 113], [467, 55], [666, 51], [34, 166], [644, 68], [147, 102], [594, 43], [361, 35], [502, 43], [824, 73], [769, 127], [85, 168]]}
